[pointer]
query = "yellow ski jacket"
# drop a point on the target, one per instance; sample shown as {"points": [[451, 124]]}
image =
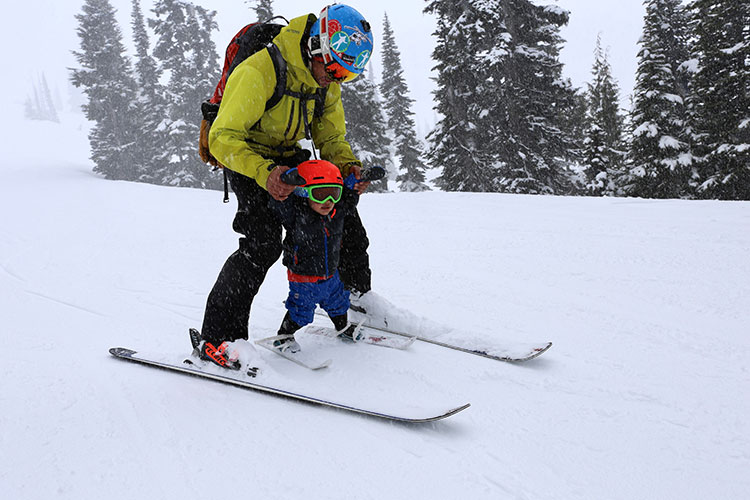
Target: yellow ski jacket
{"points": [[244, 134]]}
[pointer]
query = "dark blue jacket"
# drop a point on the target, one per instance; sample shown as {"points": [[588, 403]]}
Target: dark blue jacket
{"points": [[313, 242]]}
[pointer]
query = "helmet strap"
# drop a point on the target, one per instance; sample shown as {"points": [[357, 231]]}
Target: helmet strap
{"points": [[324, 48]]}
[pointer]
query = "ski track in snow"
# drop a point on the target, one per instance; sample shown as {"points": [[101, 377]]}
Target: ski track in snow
{"points": [[642, 395]]}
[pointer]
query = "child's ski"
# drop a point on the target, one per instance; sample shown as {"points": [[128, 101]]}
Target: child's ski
{"points": [[302, 358]]}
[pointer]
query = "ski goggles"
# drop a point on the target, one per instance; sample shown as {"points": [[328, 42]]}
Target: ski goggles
{"points": [[321, 193], [338, 73]]}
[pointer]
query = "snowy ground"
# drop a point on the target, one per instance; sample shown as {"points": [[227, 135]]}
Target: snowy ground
{"points": [[642, 396]]}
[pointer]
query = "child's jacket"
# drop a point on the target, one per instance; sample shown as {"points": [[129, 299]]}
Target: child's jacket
{"points": [[313, 242]]}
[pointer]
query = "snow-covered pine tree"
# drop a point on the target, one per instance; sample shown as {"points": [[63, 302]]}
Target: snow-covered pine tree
{"points": [[401, 126], [603, 146], [365, 126], [457, 145], [41, 107], [659, 149], [502, 95], [263, 9], [184, 49], [720, 98], [106, 77], [150, 110], [48, 111]]}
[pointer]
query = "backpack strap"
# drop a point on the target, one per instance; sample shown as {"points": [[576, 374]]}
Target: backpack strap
{"points": [[279, 66]]}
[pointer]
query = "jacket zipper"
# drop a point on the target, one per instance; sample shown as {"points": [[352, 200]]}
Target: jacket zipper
{"points": [[325, 246]]}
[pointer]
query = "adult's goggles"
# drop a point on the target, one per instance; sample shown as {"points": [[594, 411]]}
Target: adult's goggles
{"points": [[338, 73]]}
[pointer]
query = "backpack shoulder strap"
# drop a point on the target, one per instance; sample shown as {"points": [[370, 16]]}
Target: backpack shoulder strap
{"points": [[279, 66]]}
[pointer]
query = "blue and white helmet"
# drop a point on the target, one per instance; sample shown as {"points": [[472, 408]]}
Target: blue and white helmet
{"points": [[343, 39]]}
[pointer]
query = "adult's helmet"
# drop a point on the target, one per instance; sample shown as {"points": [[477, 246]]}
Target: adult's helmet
{"points": [[344, 40]]}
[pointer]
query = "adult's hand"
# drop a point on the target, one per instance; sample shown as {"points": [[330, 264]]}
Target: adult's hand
{"points": [[278, 189], [359, 187]]}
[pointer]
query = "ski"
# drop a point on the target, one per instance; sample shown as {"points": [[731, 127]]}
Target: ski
{"points": [[506, 351], [368, 336], [191, 369], [511, 352], [302, 358]]}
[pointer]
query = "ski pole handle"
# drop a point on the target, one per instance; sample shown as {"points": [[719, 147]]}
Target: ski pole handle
{"points": [[369, 174], [292, 177]]}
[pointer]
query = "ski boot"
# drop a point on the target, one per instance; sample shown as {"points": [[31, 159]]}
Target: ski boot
{"points": [[348, 332], [284, 340], [206, 351], [355, 302], [286, 343]]}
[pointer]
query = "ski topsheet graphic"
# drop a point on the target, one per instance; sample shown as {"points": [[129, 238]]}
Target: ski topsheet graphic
{"points": [[241, 381]]}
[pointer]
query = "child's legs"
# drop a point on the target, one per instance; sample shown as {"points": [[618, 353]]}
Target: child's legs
{"points": [[301, 302], [335, 299]]}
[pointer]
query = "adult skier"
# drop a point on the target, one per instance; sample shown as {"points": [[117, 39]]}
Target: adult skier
{"points": [[256, 145]]}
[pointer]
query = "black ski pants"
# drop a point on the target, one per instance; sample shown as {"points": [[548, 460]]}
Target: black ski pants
{"points": [[228, 306]]}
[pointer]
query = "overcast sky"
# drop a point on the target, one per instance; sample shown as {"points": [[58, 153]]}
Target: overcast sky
{"points": [[38, 36]]}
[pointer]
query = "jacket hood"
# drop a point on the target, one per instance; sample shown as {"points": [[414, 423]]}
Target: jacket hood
{"points": [[290, 43]]}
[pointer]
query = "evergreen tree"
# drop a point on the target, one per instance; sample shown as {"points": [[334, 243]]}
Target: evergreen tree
{"points": [[401, 124], [47, 105], [720, 100], [42, 107], [29, 110], [150, 110], [603, 156], [184, 49], [106, 77], [659, 150], [365, 126], [263, 9], [502, 95], [574, 122], [456, 144]]}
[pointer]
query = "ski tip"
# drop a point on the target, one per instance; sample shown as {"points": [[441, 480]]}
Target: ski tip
{"points": [[324, 364], [447, 414], [121, 352]]}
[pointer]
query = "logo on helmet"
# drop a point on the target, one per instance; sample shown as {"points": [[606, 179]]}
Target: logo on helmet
{"points": [[340, 42], [358, 36], [362, 59], [333, 26]]}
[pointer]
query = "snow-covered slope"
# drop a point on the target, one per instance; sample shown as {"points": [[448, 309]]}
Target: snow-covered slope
{"points": [[643, 395]]}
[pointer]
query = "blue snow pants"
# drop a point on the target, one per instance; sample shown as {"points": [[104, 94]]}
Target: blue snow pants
{"points": [[303, 297]]}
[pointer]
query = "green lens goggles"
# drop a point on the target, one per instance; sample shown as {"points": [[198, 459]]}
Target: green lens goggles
{"points": [[323, 192]]}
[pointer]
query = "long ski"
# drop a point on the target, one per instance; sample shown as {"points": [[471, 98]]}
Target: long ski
{"points": [[509, 352], [134, 356], [368, 336], [506, 351]]}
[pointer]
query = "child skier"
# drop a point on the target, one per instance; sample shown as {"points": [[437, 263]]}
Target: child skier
{"points": [[314, 224]]}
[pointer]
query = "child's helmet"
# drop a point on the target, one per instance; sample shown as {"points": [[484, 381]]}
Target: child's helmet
{"points": [[316, 172], [343, 38], [323, 181]]}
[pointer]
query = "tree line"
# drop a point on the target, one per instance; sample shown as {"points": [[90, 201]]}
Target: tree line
{"points": [[509, 121]]}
